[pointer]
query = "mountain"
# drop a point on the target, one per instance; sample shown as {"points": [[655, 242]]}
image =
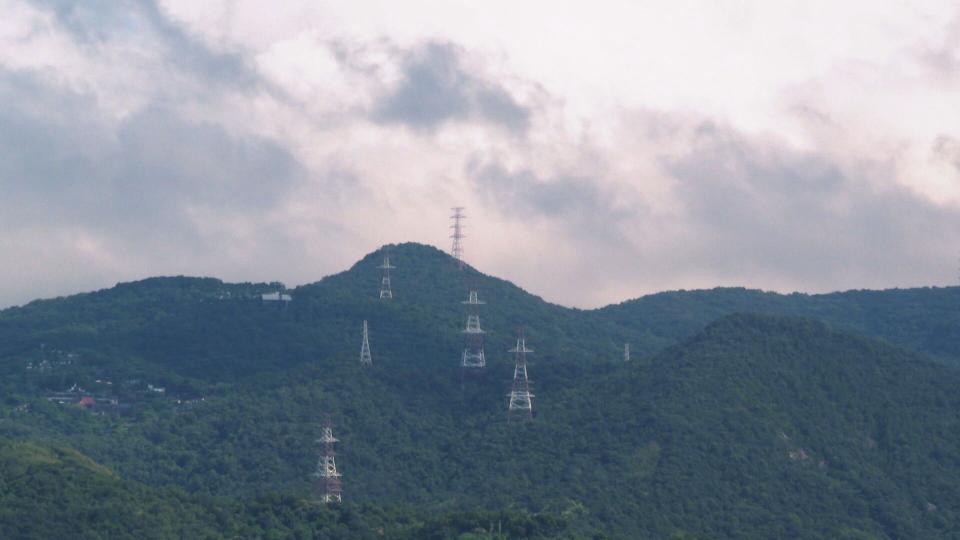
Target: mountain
{"points": [[734, 425], [53, 492], [202, 328], [56, 492], [767, 427], [923, 319]]}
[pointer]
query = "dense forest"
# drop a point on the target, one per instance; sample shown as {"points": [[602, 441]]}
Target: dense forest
{"points": [[742, 414], [56, 492]]}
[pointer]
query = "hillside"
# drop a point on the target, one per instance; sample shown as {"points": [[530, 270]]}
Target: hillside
{"points": [[55, 492], [779, 427], [923, 319], [739, 426], [208, 330], [204, 329]]}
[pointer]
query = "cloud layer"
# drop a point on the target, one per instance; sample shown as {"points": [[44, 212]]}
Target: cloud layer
{"points": [[601, 154], [436, 89]]}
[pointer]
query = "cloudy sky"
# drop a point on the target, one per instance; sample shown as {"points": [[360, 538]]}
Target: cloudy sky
{"points": [[603, 149]]}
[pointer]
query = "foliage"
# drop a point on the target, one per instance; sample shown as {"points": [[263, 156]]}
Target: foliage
{"points": [[733, 426], [55, 492]]}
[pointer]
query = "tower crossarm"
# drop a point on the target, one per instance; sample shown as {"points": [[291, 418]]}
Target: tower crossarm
{"points": [[457, 249], [520, 348], [327, 436], [366, 359], [473, 299], [521, 399], [386, 291], [473, 325], [328, 483]]}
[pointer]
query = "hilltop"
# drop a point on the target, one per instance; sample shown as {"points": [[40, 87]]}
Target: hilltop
{"points": [[733, 423], [207, 329]]}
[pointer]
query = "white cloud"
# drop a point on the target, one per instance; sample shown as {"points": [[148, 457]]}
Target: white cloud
{"points": [[288, 140]]}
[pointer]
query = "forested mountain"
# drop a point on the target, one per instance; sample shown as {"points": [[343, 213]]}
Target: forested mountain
{"points": [[725, 424], [55, 492], [922, 319]]}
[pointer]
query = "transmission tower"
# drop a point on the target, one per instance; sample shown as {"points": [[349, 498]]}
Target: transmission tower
{"points": [[385, 290], [521, 400], [458, 236], [326, 475], [473, 335], [365, 358]]}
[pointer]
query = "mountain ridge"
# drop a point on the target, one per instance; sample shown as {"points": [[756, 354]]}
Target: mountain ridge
{"points": [[428, 287], [724, 424], [375, 257]]}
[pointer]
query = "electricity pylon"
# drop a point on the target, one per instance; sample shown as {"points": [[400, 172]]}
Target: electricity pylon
{"points": [[328, 487], [521, 400], [385, 290], [365, 358], [458, 236], [473, 336]]}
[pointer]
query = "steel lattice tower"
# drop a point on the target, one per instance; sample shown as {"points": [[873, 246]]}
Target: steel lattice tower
{"points": [[385, 290], [458, 236], [326, 475], [473, 336], [365, 358], [521, 400]]}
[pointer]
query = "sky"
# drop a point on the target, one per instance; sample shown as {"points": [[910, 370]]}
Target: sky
{"points": [[603, 150]]}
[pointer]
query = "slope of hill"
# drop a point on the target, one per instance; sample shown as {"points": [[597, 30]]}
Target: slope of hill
{"points": [[779, 427], [56, 492], [923, 319], [182, 329], [204, 329], [755, 426]]}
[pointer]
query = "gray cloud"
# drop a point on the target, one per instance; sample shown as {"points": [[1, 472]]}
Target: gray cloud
{"points": [[581, 218], [576, 200], [760, 211], [136, 186], [435, 89], [94, 22], [943, 59], [738, 209], [132, 178], [748, 211], [155, 190], [946, 148]]}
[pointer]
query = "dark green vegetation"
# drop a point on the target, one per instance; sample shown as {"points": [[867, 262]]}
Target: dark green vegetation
{"points": [[55, 492], [750, 415]]}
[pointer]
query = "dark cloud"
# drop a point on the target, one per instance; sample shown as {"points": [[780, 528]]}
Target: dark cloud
{"points": [[134, 181], [943, 59], [95, 192], [94, 22], [582, 217], [560, 196], [946, 148], [759, 210], [742, 211], [435, 89], [69, 163]]}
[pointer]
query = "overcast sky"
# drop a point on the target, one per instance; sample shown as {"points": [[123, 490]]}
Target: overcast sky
{"points": [[603, 150]]}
